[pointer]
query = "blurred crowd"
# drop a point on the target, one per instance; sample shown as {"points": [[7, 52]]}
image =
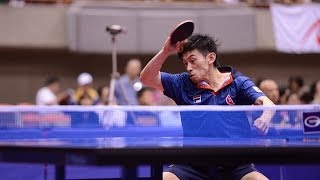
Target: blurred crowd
{"points": [[130, 91], [296, 92]]}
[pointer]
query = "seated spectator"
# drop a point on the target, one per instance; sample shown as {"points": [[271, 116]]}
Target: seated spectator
{"points": [[283, 94], [145, 96], [296, 85], [48, 95], [292, 117], [293, 99], [124, 90], [306, 98], [85, 81], [85, 118], [144, 118], [315, 92], [86, 100], [271, 89], [103, 93]]}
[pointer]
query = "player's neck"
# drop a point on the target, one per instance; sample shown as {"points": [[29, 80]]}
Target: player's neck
{"points": [[217, 79]]}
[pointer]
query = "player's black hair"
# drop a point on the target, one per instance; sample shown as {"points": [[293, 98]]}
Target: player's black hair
{"points": [[203, 43], [51, 80]]}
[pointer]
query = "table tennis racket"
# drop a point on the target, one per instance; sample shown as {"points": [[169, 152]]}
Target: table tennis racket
{"points": [[182, 31]]}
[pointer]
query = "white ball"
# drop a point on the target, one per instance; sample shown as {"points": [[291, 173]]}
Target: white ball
{"points": [[137, 86]]}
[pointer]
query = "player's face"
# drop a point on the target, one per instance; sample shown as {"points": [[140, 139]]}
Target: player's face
{"points": [[197, 65]]}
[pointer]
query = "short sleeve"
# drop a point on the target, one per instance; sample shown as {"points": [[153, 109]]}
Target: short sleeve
{"points": [[250, 91], [172, 85]]}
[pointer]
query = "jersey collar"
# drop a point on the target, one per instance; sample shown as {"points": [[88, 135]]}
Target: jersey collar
{"points": [[205, 85]]}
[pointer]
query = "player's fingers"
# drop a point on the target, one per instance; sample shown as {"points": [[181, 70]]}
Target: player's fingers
{"points": [[257, 124], [168, 43], [179, 46], [264, 128], [260, 125], [168, 47]]}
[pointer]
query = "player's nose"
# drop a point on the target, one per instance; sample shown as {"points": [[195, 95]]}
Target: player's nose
{"points": [[189, 69]]}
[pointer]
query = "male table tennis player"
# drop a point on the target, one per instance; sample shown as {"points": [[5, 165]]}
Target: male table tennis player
{"points": [[205, 83]]}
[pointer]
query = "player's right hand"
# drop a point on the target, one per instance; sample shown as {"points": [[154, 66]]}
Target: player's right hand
{"points": [[169, 49]]}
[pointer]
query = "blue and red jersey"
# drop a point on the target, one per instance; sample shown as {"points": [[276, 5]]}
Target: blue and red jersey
{"points": [[237, 90]]}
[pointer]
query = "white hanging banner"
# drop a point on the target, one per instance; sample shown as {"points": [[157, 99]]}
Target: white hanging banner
{"points": [[296, 27]]}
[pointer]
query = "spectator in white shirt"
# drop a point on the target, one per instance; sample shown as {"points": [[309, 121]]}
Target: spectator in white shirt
{"points": [[47, 95]]}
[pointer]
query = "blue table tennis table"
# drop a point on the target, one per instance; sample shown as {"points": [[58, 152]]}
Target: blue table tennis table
{"points": [[157, 151], [88, 142]]}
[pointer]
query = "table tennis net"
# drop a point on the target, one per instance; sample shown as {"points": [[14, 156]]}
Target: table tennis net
{"points": [[206, 121]]}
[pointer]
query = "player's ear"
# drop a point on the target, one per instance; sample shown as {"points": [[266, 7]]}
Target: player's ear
{"points": [[211, 57]]}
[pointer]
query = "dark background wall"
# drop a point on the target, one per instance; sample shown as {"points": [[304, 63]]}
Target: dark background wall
{"points": [[23, 71]]}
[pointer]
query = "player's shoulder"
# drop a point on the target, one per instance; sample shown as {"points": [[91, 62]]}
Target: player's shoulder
{"points": [[180, 76], [184, 76], [236, 75], [181, 80], [184, 80]]}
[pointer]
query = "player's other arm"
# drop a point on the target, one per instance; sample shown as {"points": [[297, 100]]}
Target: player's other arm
{"points": [[263, 122], [150, 75]]}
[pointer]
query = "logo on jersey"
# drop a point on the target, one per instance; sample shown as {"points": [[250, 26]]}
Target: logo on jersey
{"points": [[257, 89], [197, 99], [229, 100], [311, 122]]}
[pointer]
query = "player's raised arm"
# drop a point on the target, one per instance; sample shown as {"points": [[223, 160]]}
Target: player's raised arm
{"points": [[150, 75]]}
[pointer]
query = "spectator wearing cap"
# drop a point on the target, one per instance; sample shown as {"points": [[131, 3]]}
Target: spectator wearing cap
{"points": [[48, 94], [85, 81], [124, 86]]}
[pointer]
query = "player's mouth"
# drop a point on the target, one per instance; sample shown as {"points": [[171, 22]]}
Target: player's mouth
{"points": [[192, 76]]}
